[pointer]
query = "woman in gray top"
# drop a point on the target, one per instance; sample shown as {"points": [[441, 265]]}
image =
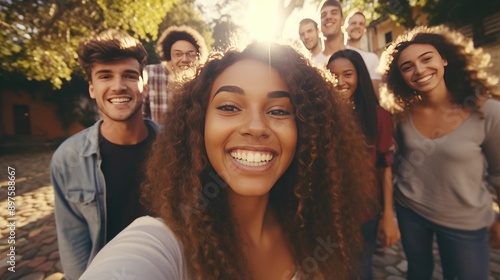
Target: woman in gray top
{"points": [[447, 133]]}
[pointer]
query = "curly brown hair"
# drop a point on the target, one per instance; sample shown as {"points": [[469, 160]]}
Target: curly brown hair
{"points": [[319, 199], [465, 74], [177, 33]]}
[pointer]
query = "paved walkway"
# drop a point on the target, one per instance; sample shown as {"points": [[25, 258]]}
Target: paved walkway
{"points": [[36, 253]]}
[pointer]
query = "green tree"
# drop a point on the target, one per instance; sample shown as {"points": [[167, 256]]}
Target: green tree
{"points": [[39, 38]]}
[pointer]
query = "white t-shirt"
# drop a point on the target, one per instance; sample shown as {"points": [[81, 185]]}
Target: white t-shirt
{"points": [[320, 60], [371, 61]]}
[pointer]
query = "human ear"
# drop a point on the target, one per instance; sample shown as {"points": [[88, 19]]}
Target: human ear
{"points": [[91, 90]]}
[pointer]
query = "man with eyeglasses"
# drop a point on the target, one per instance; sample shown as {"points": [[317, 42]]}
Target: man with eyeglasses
{"points": [[180, 49]]}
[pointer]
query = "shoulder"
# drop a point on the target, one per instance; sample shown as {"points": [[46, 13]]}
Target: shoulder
{"points": [[490, 106], [72, 146], [491, 114], [146, 249], [383, 113], [152, 124], [81, 144]]}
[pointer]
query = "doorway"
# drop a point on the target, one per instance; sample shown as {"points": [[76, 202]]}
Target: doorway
{"points": [[22, 121]]}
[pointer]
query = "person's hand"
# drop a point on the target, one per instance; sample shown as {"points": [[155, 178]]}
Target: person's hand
{"points": [[495, 235], [388, 231]]}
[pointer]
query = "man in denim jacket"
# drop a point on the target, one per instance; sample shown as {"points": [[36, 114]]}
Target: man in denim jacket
{"points": [[97, 173]]}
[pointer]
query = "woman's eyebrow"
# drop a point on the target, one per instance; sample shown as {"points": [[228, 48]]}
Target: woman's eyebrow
{"points": [[278, 94], [234, 89]]}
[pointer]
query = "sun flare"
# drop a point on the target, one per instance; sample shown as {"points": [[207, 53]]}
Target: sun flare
{"points": [[262, 20]]}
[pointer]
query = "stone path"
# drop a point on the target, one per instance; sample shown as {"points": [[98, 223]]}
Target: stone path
{"points": [[36, 253]]}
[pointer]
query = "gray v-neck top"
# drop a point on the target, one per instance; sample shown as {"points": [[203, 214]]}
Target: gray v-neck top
{"points": [[444, 179]]}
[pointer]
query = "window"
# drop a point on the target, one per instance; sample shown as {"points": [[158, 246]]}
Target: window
{"points": [[388, 37]]}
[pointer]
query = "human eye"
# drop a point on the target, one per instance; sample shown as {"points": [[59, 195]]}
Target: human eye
{"points": [[192, 54], [279, 112], [104, 77], [131, 76], [405, 68], [228, 108], [427, 58]]}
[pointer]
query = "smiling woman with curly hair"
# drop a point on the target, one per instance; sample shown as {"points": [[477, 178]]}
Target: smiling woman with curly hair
{"points": [[259, 174], [447, 134]]}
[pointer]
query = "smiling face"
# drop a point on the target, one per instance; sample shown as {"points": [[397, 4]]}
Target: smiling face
{"points": [[356, 27], [250, 129], [331, 21], [422, 68], [183, 54], [117, 88], [346, 76], [309, 35]]}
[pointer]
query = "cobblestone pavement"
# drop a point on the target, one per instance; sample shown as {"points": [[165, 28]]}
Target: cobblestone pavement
{"points": [[36, 253]]}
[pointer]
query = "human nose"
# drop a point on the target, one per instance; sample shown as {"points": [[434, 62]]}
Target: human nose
{"points": [[340, 81], [255, 125], [419, 68], [118, 84]]}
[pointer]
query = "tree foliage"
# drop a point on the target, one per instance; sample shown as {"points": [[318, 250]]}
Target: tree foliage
{"points": [[39, 37]]}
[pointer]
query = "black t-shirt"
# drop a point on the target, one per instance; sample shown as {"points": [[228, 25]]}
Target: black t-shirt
{"points": [[123, 167]]}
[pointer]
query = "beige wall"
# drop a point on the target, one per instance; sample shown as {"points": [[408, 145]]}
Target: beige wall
{"points": [[43, 119]]}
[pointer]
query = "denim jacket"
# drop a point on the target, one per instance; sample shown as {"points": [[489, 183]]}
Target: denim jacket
{"points": [[80, 199]]}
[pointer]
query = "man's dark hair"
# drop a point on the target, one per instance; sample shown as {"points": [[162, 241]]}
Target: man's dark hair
{"points": [[176, 33], [334, 3], [109, 46]]}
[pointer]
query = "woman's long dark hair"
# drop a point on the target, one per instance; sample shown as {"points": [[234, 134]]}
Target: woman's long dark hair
{"points": [[364, 97]]}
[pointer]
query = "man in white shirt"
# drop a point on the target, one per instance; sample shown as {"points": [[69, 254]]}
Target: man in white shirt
{"points": [[309, 35], [332, 20], [355, 28]]}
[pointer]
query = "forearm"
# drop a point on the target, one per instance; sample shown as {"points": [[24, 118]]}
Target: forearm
{"points": [[387, 192]]}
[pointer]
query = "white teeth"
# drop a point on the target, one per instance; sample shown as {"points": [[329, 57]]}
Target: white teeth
{"points": [[252, 158], [424, 79], [119, 100], [343, 90]]}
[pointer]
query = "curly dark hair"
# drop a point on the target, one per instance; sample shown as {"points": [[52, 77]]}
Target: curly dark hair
{"points": [[176, 33], [364, 97], [108, 46], [464, 75], [321, 196]]}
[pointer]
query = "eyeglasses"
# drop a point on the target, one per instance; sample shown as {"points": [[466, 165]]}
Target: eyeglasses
{"points": [[192, 55]]}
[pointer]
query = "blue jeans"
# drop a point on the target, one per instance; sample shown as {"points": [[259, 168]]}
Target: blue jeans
{"points": [[464, 253], [369, 234]]}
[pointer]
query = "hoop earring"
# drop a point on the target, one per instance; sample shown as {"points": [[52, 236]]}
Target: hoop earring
{"points": [[417, 96]]}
